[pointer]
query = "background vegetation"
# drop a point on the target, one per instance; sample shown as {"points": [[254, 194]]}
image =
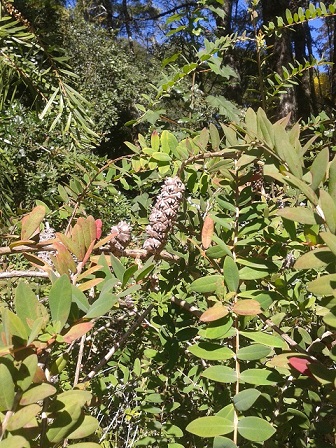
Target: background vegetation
{"points": [[176, 290]]}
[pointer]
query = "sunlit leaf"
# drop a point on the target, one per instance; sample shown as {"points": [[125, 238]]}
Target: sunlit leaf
{"points": [[207, 231], [220, 374], [207, 284], [77, 331], [31, 222], [255, 429], [247, 307], [22, 417], [245, 399], [216, 312], [253, 352], [210, 426], [7, 389], [60, 298], [210, 351]]}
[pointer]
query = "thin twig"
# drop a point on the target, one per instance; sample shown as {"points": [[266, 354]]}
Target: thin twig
{"points": [[131, 253], [120, 344], [13, 274]]}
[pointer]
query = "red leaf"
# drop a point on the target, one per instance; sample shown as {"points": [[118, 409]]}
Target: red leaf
{"points": [[99, 225], [77, 331], [300, 364]]}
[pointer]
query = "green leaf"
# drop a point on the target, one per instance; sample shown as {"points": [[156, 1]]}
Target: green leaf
{"points": [[102, 305], [207, 284], [161, 157], [299, 214], [62, 425], [155, 141], [247, 273], [260, 377], [302, 186], [265, 129], [22, 417], [231, 274], [7, 389], [86, 428], [31, 222], [14, 328], [27, 372], [253, 352], [80, 299], [169, 142], [129, 273], [15, 442], [216, 252], [264, 338], [60, 298], [37, 393], [215, 139], [220, 374], [332, 179], [330, 318], [323, 286], [319, 167], [210, 426], [27, 306], [210, 351], [330, 240], [315, 259], [223, 442], [118, 268], [329, 210], [218, 329], [245, 399], [255, 429]]}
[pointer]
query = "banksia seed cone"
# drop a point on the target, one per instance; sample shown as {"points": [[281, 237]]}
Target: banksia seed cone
{"points": [[163, 215], [122, 238]]}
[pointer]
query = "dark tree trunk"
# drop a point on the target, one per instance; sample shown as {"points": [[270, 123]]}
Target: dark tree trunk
{"points": [[224, 23], [280, 54], [305, 93]]}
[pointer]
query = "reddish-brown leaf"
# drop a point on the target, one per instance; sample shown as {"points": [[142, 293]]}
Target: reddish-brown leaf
{"points": [[77, 331], [64, 261], [207, 231], [300, 364], [248, 307], [99, 225], [214, 313]]}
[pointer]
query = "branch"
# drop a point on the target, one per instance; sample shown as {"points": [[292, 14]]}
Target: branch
{"points": [[131, 253], [120, 344], [169, 11], [11, 274]]}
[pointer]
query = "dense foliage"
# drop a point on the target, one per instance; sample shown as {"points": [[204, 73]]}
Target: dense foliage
{"points": [[177, 290]]}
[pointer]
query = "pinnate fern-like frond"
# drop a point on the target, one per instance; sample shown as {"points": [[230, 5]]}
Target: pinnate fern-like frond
{"points": [[42, 73]]}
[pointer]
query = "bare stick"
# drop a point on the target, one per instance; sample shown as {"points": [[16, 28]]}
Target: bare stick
{"points": [[120, 344], [11, 274]]}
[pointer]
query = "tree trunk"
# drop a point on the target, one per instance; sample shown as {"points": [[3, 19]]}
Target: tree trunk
{"points": [[280, 54]]}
